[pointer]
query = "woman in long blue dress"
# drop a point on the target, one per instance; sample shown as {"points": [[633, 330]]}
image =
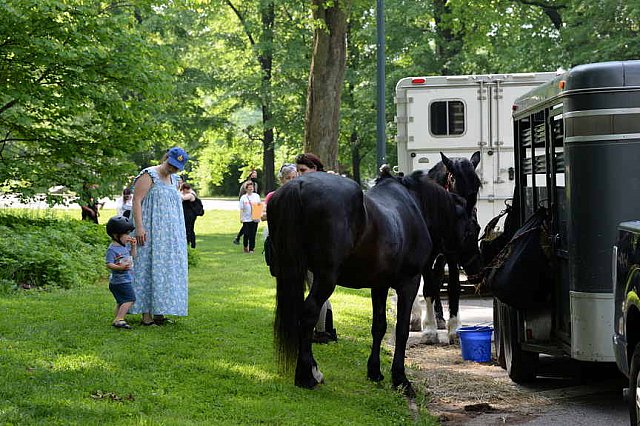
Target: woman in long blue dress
{"points": [[160, 269]]}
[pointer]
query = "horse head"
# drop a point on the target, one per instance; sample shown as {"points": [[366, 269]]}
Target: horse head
{"points": [[461, 177]]}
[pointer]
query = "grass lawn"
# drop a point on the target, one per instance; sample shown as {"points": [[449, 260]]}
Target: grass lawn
{"points": [[62, 363]]}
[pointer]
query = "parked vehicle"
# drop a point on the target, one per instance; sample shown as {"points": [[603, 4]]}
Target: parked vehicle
{"points": [[626, 321], [460, 115], [577, 145]]}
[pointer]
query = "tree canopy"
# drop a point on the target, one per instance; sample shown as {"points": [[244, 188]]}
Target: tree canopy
{"points": [[90, 92]]}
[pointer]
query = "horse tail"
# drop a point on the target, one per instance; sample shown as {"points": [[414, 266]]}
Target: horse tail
{"points": [[286, 219]]}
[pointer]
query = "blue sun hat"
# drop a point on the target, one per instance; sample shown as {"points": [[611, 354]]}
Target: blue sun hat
{"points": [[177, 157]]}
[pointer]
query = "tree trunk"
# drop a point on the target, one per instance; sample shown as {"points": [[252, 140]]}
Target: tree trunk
{"points": [[265, 57], [322, 115]]}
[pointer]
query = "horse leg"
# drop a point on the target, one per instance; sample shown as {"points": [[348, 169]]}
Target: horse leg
{"points": [[438, 276], [431, 289], [378, 329], [406, 292], [430, 327], [453, 291], [307, 373], [417, 317]]}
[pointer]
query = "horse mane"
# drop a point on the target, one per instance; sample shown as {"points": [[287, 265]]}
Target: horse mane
{"points": [[438, 206]]}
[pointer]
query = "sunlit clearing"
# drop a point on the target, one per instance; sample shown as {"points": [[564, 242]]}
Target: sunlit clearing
{"points": [[79, 362], [249, 371]]}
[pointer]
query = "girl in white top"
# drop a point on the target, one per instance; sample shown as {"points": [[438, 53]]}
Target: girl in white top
{"points": [[124, 203], [249, 201]]}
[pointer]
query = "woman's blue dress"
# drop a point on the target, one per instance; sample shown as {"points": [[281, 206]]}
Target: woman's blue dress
{"points": [[160, 267]]}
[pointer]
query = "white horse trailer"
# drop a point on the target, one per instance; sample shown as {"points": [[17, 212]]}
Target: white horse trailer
{"points": [[459, 115]]}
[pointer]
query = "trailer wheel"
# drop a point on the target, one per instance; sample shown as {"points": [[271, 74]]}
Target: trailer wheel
{"points": [[634, 384], [498, 339], [521, 365]]}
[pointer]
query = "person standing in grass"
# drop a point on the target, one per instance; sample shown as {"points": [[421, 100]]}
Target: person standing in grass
{"points": [[119, 260], [248, 202], [190, 215], [124, 203], [253, 177], [89, 204], [160, 272]]}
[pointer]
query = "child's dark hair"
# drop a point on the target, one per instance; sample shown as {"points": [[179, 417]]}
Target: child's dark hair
{"points": [[310, 160]]}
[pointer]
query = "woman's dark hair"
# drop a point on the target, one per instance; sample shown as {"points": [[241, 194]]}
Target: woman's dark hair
{"points": [[126, 192], [310, 160], [186, 186]]}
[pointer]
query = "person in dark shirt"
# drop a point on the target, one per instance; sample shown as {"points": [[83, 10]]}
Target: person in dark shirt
{"points": [[190, 216]]}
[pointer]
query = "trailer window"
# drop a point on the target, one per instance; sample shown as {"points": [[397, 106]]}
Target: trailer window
{"points": [[446, 118]]}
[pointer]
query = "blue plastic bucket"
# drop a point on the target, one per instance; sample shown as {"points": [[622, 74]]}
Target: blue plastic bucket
{"points": [[475, 343]]}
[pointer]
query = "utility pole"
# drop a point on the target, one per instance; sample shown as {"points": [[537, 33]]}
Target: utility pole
{"points": [[381, 139]]}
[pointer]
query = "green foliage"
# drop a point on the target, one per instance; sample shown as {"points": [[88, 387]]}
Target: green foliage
{"points": [[91, 92], [45, 251], [63, 363], [601, 30], [81, 86]]}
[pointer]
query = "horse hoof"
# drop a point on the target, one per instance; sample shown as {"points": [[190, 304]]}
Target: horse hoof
{"points": [[407, 389], [317, 375], [377, 377], [454, 339], [310, 381], [415, 325], [430, 338], [306, 384]]}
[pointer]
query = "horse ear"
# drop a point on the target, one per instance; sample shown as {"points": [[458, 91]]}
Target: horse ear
{"points": [[448, 163], [475, 159]]}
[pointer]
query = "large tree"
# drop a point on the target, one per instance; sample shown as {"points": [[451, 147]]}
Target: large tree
{"points": [[262, 45], [326, 77]]}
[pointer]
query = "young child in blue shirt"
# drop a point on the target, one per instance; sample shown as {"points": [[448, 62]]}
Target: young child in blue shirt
{"points": [[119, 260]]}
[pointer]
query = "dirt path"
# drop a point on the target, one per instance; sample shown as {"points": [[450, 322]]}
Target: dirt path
{"points": [[565, 392], [458, 391], [464, 392]]}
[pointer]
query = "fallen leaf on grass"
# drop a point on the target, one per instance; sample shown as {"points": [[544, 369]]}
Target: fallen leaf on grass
{"points": [[111, 396]]}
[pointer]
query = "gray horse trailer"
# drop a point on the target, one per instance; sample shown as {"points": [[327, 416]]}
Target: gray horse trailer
{"points": [[577, 146]]}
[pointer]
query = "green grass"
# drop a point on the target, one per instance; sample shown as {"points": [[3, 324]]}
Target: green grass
{"points": [[62, 363]]}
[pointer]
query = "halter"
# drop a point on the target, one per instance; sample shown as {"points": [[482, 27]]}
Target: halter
{"points": [[450, 182]]}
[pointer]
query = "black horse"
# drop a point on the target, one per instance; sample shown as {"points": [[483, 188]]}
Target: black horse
{"points": [[458, 176], [324, 223]]}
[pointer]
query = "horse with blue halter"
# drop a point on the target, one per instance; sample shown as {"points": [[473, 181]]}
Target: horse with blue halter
{"points": [[324, 224], [458, 176]]}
